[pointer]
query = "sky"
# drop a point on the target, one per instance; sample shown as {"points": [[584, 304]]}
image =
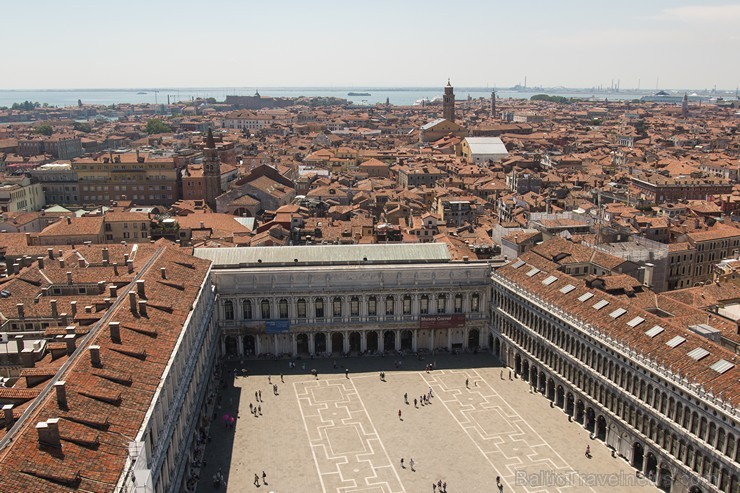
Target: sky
{"points": [[374, 43]]}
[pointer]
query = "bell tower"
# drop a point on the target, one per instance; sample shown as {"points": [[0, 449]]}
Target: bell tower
{"points": [[448, 103], [211, 172]]}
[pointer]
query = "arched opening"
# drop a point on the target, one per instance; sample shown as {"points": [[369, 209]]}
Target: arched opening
{"points": [[560, 397], [534, 377], [496, 345], [525, 371], [319, 342], [666, 479], [551, 389], [372, 341], [231, 345], [518, 364], [569, 405], [249, 345], [389, 340], [407, 340], [652, 466], [302, 343], [590, 419], [579, 412], [337, 342], [474, 339], [355, 342], [601, 428], [542, 382], [638, 455]]}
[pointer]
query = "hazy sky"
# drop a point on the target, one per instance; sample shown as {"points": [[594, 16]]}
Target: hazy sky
{"points": [[233, 43]]}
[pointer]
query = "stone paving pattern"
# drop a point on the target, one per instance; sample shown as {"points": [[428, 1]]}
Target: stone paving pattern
{"points": [[334, 434]]}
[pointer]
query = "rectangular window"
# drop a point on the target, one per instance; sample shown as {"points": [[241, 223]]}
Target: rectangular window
{"points": [[424, 305], [372, 307]]}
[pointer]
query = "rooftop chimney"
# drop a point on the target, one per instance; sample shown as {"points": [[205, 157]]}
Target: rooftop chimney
{"points": [[95, 355], [49, 432], [125, 258], [81, 262], [54, 310], [63, 318], [61, 394], [28, 359], [113, 291], [8, 414], [41, 262], [69, 278], [21, 312], [130, 264], [21, 343], [115, 331], [50, 251], [101, 287], [69, 339], [163, 271], [28, 239], [115, 268], [107, 302], [16, 268], [73, 304], [132, 300], [61, 263], [140, 288], [105, 254], [142, 308], [70, 329]]}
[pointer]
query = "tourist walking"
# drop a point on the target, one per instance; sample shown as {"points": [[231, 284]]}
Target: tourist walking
{"points": [[467, 383], [281, 378], [256, 480], [269, 379], [411, 463], [406, 397], [264, 477], [346, 372], [415, 403], [399, 415], [402, 466]]}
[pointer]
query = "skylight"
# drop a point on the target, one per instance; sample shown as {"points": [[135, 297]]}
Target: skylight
{"points": [[676, 341], [549, 280], [518, 264], [567, 288], [722, 366], [618, 313], [657, 329], [635, 321], [698, 353], [600, 304], [585, 297], [532, 272]]}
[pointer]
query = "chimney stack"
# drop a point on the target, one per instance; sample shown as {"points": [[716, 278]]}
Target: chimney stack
{"points": [[142, 308], [21, 311], [61, 263], [70, 329], [20, 343], [28, 239], [125, 258], [63, 318], [49, 432], [140, 288], [101, 287], [163, 271], [69, 278], [107, 302], [95, 355], [61, 394], [69, 339], [132, 300], [54, 309], [130, 264], [41, 262], [28, 359], [73, 305], [8, 414], [113, 291], [115, 268], [50, 251], [16, 268], [81, 262], [115, 331], [106, 258]]}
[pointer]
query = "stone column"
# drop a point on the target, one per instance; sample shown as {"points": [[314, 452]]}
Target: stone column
{"points": [[657, 474], [398, 340], [431, 343], [346, 342], [257, 345], [329, 349], [311, 310], [398, 310], [415, 304], [311, 344], [294, 338], [363, 341], [414, 339], [465, 337], [240, 345], [381, 341], [645, 461], [223, 345]]}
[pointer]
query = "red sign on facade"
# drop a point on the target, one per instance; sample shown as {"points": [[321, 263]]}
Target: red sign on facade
{"points": [[441, 321]]}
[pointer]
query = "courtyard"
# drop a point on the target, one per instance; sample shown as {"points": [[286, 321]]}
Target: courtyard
{"points": [[343, 433]]}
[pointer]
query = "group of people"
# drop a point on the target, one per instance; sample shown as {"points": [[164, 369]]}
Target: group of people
{"points": [[424, 399], [442, 486]]}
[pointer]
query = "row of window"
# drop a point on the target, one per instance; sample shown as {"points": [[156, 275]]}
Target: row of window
{"points": [[426, 302]]}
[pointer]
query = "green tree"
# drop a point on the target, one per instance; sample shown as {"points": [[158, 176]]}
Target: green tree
{"points": [[44, 129], [25, 106], [157, 126], [82, 127]]}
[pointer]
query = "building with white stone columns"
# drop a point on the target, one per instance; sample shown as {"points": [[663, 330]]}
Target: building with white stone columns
{"points": [[318, 300]]}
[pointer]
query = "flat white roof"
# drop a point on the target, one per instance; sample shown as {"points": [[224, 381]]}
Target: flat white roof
{"points": [[486, 145]]}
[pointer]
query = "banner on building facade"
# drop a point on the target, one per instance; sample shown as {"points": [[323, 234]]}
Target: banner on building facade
{"points": [[277, 326], [441, 321]]}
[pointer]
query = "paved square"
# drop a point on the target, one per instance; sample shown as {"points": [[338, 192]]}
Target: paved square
{"points": [[344, 435]]}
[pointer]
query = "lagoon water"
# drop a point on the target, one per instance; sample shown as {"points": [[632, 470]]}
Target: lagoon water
{"points": [[397, 96]]}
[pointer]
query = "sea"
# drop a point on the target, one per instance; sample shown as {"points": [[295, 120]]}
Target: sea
{"points": [[401, 96]]}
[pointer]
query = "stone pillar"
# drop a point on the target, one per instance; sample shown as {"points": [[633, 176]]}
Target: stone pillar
{"points": [[329, 349], [398, 312], [449, 339], [257, 345], [223, 345], [414, 338], [363, 310], [645, 461], [311, 343], [311, 310], [346, 342], [294, 338], [415, 304], [431, 343], [381, 341], [465, 337], [363, 341], [275, 338], [346, 309], [657, 474], [397, 333], [240, 345]]}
